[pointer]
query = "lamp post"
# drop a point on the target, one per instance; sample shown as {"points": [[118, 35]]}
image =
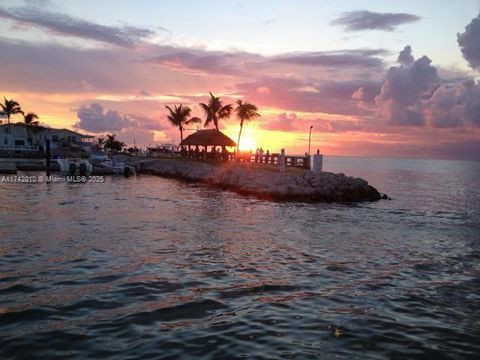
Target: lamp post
{"points": [[309, 139]]}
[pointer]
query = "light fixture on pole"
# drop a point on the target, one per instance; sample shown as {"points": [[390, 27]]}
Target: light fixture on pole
{"points": [[309, 139]]}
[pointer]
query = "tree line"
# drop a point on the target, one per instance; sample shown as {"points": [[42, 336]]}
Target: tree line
{"points": [[179, 116]]}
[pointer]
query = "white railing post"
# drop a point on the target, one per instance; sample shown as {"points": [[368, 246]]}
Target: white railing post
{"points": [[281, 160]]}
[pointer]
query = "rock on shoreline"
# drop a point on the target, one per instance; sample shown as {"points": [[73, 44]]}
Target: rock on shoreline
{"points": [[251, 180]]}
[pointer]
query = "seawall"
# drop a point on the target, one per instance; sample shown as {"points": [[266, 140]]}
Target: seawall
{"points": [[268, 183]]}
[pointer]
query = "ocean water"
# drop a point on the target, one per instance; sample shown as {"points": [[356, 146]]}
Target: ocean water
{"points": [[152, 268]]}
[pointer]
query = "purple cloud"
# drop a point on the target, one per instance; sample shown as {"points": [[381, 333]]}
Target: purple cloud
{"points": [[202, 61], [400, 100], [308, 95], [66, 25], [284, 122], [352, 58], [243, 63], [92, 118], [292, 122], [414, 95], [455, 105], [469, 42], [405, 57], [368, 20]]}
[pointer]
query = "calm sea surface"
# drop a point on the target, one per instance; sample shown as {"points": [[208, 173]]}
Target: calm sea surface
{"points": [[154, 268]]}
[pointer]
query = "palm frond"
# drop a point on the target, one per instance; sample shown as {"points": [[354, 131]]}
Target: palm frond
{"points": [[225, 111], [193, 120], [29, 118], [246, 111]]}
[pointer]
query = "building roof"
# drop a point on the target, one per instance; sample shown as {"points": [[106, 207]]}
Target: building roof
{"points": [[73, 132], [209, 137], [44, 128]]}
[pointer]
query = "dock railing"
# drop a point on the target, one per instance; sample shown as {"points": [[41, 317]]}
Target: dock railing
{"points": [[290, 160], [247, 157]]}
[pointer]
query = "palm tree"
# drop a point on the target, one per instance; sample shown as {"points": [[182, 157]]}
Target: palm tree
{"points": [[9, 108], [100, 142], [30, 119], [113, 144], [215, 110], [180, 116], [245, 112]]}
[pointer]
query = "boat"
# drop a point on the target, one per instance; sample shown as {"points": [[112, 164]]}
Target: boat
{"points": [[118, 167], [75, 166], [114, 165]]}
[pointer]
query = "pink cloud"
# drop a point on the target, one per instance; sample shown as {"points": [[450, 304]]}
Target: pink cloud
{"points": [[284, 122]]}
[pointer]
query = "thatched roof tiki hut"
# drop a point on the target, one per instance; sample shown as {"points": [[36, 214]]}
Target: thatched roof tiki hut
{"points": [[208, 138]]}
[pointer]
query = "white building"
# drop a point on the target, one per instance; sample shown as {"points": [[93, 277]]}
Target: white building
{"points": [[20, 137]]}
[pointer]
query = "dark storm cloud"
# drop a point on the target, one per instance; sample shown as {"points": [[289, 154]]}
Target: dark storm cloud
{"points": [[368, 20], [67, 25]]}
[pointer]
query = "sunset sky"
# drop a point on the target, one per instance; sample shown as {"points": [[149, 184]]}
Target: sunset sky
{"points": [[374, 78]]}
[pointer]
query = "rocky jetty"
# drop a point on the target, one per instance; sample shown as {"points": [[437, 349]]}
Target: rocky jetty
{"points": [[267, 184]]}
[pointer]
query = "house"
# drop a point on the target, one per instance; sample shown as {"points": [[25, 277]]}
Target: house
{"points": [[16, 137], [19, 137]]}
